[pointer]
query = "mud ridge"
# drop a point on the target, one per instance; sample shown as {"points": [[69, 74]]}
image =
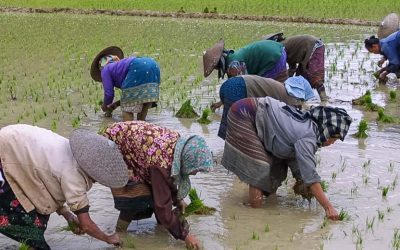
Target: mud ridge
{"points": [[147, 13]]}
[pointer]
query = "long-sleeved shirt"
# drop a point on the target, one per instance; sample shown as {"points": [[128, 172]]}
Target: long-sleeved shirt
{"points": [[148, 151], [390, 48], [41, 170], [258, 56], [112, 76], [299, 49], [287, 136]]}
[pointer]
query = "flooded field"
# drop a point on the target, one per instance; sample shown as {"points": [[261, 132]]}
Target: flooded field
{"points": [[44, 80]]}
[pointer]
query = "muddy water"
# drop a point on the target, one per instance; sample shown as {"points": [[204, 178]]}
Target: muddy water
{"points": [[356, 171]]}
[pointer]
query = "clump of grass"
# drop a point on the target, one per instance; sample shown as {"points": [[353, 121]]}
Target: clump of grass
{"points": [[343, 215], [392, 95], [382, 117], [127, 241], [186, 111], [197, 206], [362, 128], [204, 117]]}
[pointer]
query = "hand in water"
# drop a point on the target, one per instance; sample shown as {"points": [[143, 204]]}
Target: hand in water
{"points": [[192, 243], [114, 239]]}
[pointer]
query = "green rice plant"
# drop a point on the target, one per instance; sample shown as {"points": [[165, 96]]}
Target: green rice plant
{"points": [[324, 223], [362, 99], [362, 128], [24, 246], [186, 111], [385, 190], [382, 117], [381, 215], [343, 215], [204, 117], [71, 227], [392, 95], [53, 125], [333, 176], [325, 186], [197, 206], [255, 236], [396, 239], [365, 179], [127, 241], [266, 228], [370, 223], [76, 121]]}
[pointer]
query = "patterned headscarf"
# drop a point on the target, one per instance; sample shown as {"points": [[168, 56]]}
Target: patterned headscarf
{"points": [[107, 60], [330, 121], [191, 155]]}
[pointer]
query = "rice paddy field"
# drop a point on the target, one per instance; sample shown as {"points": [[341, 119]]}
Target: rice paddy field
{"points": [[361, 9], [45, 81]]}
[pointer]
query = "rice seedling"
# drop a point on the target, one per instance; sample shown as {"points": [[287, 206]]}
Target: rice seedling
{"points": [[255, 236], [381, 215], [325, 186], [128, 241], [70, 227], [266, 228], [343, 215], [365, 179], [370, 223], [204, 117], [385, 190], [392, 95], [362, 128], [396, 239], [186, 111], [324, 223], [334, 174], [197, 206], [23, 246], [382, 117]]}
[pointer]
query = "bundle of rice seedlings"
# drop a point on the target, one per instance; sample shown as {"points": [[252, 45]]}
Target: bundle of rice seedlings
{"points": [[362, 128], [186, 111], [127, 241], [382, 117], [70, 227], [204, 117], [343, 215], [197, 206], [24, 246]]}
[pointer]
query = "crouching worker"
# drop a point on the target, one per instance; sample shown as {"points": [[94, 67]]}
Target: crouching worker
{"points": [[160, 162], [265, 136], [42, 172]]}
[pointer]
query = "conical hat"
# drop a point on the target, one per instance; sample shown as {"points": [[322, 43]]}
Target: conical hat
{"points": [[211, 57], [94, 68], [388, 25], [274, 37]]}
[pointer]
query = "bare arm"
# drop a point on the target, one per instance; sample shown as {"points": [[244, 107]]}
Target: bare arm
{"points": [[319, 194], [89, 227]]}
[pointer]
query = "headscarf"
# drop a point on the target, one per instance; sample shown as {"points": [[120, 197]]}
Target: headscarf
{"points": [[299, 87], [107, 60], [330, 121], [191, 154]]}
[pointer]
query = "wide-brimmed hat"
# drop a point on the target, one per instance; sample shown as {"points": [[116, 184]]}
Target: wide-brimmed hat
{"points": [[99, 157], [94, 68], [274, 37], [191, 155], [388, 25], [211, 57]]}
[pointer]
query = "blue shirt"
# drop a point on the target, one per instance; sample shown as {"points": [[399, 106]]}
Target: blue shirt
{"points": [[390, 48]]}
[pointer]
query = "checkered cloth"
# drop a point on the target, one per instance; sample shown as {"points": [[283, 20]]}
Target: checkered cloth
{"points": [[331, 121]]}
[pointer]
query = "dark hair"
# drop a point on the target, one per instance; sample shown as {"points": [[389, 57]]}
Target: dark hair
{"points": [[369, 42]]}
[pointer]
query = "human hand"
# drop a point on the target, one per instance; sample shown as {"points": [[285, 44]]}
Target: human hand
{"points": [[181, 206], [74, 225], [381, 62], [215, 106], [382, 76], [331, 213], [191, 242], [114, 239]]}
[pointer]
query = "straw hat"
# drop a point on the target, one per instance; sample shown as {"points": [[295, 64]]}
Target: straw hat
{"points": [[94, 68], [99, 157], [388, 25], [211, 57], [274, 37]]}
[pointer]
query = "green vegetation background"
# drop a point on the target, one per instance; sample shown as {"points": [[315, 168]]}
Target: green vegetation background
{"points": [[352, 9]]}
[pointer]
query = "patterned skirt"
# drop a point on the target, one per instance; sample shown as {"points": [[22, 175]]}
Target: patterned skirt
{"points": [[19, 225], [279, 72], [244, 152], [141, 85]]}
